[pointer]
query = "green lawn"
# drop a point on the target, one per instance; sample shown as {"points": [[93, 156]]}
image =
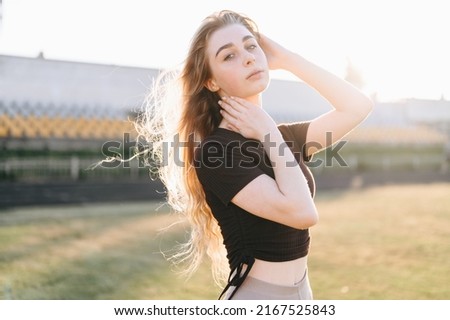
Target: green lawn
{"points": [[387, 242]]}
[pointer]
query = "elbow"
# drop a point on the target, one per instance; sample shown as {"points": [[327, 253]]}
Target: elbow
{"points": [[361, 110], [314, 219], [306, 218], [366, 107], [369, 105], [310, 220]]}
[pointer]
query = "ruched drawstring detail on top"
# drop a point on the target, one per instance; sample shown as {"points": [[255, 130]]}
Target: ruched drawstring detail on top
{"points": [[238, 275]]}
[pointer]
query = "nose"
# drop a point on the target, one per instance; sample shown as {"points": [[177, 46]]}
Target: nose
{"points": [[249, 59]]}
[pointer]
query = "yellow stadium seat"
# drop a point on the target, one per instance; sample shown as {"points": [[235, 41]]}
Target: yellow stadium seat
{"points": [[3, 126], [44, 127]]}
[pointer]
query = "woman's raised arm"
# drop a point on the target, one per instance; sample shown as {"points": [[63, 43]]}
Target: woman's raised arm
{"points": [[350, 105]]}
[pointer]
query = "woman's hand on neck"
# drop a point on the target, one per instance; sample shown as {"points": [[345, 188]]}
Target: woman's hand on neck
{"points": [[255, 100], [246, 118]]}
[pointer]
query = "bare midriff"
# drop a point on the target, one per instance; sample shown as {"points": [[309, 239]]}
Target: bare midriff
{"points": [[286, 273]]}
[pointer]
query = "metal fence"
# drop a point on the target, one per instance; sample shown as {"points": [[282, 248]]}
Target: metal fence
{"points": [[69, 168]]}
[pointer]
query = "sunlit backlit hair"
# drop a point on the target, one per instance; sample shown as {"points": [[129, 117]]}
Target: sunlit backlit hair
{"points": [[178, 114]]}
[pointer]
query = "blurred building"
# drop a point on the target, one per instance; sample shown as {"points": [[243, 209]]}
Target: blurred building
{"points": [[43, 99], [64, 105], [46, 103]]}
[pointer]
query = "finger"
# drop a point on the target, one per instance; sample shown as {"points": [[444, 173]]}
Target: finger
{"points": [[232, 123], [239, 103], [227, 116], [236, 103], [229, 108]]}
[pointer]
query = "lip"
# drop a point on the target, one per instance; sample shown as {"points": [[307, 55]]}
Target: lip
{"points": [[254, 73]]}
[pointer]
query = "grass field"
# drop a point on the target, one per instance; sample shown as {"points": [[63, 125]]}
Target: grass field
{"points": [[388, 242]]}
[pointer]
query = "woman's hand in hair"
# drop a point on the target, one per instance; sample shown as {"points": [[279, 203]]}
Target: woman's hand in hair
{"points": [[243, 117], [275, 53]]}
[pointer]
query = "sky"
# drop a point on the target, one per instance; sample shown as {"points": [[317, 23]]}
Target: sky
{"points": [[401, 48]]}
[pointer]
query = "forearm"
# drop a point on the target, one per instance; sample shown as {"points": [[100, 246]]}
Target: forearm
{"points": [[288, 176], [341, 94]]}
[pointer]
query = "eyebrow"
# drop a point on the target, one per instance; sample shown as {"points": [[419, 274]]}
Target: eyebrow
{"points": [[228, 45]]}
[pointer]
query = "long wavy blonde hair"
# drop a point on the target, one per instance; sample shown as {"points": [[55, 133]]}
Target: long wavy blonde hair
{"points": [[179, 112]]}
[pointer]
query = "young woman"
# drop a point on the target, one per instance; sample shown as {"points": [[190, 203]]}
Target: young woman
{"points": [[238, 177]]}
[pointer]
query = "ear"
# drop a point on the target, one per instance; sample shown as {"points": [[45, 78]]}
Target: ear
{"points": [[211, 85]]}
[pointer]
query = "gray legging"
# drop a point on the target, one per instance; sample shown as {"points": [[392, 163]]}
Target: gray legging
{"points": [[255, 289]]}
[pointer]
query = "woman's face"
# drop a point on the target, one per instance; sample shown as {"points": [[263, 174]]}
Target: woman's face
{"points": [[238, 64]]}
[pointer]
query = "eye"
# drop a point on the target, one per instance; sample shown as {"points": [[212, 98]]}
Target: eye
{"points": [[228, 57], [251, 47]]}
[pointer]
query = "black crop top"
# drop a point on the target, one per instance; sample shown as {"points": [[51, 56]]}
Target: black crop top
{"points": [[226, 162]]}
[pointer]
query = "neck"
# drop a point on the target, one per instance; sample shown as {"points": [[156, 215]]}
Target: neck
{"points": [[255, 100]]}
